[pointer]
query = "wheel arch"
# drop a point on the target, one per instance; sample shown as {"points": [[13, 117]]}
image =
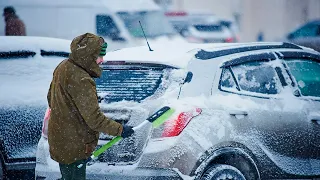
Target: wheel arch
{"points": [[227, 154]]}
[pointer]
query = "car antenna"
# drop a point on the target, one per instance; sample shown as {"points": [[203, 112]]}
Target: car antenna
{"points": [[145, 37]]}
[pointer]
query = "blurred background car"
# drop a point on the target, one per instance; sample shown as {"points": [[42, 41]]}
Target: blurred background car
{"points": [[115, 20], [26, 67], [307, 35], [202, 27]]}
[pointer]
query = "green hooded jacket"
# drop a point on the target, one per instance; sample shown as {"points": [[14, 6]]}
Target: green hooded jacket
{"points": [[76, 118]]}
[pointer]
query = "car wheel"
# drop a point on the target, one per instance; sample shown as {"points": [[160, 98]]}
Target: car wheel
{"points": [[1, 168], [222, 172]]}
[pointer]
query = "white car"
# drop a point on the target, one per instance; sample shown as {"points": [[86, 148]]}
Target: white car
{"points": [[203, 28], [26, 66], [243, 111]]}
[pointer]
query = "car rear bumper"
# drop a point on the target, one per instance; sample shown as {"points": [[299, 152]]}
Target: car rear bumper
{"points": [[20, 166], [48, 169], [43, 173]]}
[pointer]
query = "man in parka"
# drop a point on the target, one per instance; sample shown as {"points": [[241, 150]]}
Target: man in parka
{"points": [[14, 25], [76, 119]]}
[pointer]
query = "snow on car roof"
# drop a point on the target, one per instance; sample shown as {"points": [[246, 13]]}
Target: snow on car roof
{"points": [[173, 54], [28, 43], [130, 5], [12, 43]]}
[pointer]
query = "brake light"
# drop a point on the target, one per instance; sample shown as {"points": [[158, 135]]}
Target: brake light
{"points": [[229, 40], [175, 126], [45, 123], [177, 13]]}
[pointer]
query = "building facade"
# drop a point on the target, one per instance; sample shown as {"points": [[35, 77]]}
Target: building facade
{"points": [[274, 19]]}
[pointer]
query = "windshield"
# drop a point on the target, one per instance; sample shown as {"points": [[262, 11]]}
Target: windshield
{"points": [[154, 23]]}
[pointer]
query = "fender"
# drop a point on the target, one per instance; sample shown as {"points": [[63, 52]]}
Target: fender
{"points": [[214, 152]]}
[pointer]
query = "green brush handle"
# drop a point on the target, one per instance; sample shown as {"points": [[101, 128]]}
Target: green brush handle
{"points": [[156, 119], [106, 146]]}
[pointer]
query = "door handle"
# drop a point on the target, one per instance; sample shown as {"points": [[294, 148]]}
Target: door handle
{"points": [[238, 112], [314, 119]]}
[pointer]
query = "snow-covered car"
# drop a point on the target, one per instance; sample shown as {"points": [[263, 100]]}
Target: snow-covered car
{"points": [[242, 111], [26, 66]]}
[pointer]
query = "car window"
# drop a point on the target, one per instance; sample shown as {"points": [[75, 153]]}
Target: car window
{"points": [[209, 28], [106, 26], [227, 82], [307, 75], [310, 30], [257, 77]]}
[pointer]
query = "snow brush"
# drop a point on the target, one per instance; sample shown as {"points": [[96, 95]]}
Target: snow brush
{"points": [[157, 119]]}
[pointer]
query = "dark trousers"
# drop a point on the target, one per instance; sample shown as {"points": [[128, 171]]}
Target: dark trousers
{"points": [[72, 172]]}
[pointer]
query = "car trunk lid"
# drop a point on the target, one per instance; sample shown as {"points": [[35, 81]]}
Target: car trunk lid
{"points": [[129, 93]]}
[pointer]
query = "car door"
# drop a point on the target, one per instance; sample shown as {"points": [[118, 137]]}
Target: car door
{"points": [[277, 125], [304, 68]]}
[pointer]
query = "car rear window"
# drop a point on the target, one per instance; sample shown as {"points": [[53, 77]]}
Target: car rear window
{"points": [[208, 28], [307, 75], [130, 82]]}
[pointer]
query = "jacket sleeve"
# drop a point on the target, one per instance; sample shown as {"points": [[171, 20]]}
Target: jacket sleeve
{"points": [[83, 94]]}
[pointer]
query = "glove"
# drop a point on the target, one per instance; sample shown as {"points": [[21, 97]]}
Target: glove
{"points": [[127, 131]]}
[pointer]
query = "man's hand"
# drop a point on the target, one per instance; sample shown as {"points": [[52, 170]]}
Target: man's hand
{"points": [[127, 131]]}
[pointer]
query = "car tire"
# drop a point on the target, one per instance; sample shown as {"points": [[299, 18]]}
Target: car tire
{"points": [[1, 168], [222, 172]]}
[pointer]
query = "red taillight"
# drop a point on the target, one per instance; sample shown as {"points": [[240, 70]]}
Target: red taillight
{"points": [[45, 123], [178, 13], [229, 40], [175, 126]]}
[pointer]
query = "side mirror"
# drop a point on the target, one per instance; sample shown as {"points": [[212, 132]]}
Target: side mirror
{"points": [[296, 93], [188, 77], [118, 38]]}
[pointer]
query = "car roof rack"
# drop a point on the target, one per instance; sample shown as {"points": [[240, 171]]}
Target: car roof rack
{"points": [[54, 53], [16, 54], [205, 55]]}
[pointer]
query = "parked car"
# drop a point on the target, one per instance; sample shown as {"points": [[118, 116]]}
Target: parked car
{"points": [[203, 28], [307, 35], [132, 86], [242, 111], [26, 66]]}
